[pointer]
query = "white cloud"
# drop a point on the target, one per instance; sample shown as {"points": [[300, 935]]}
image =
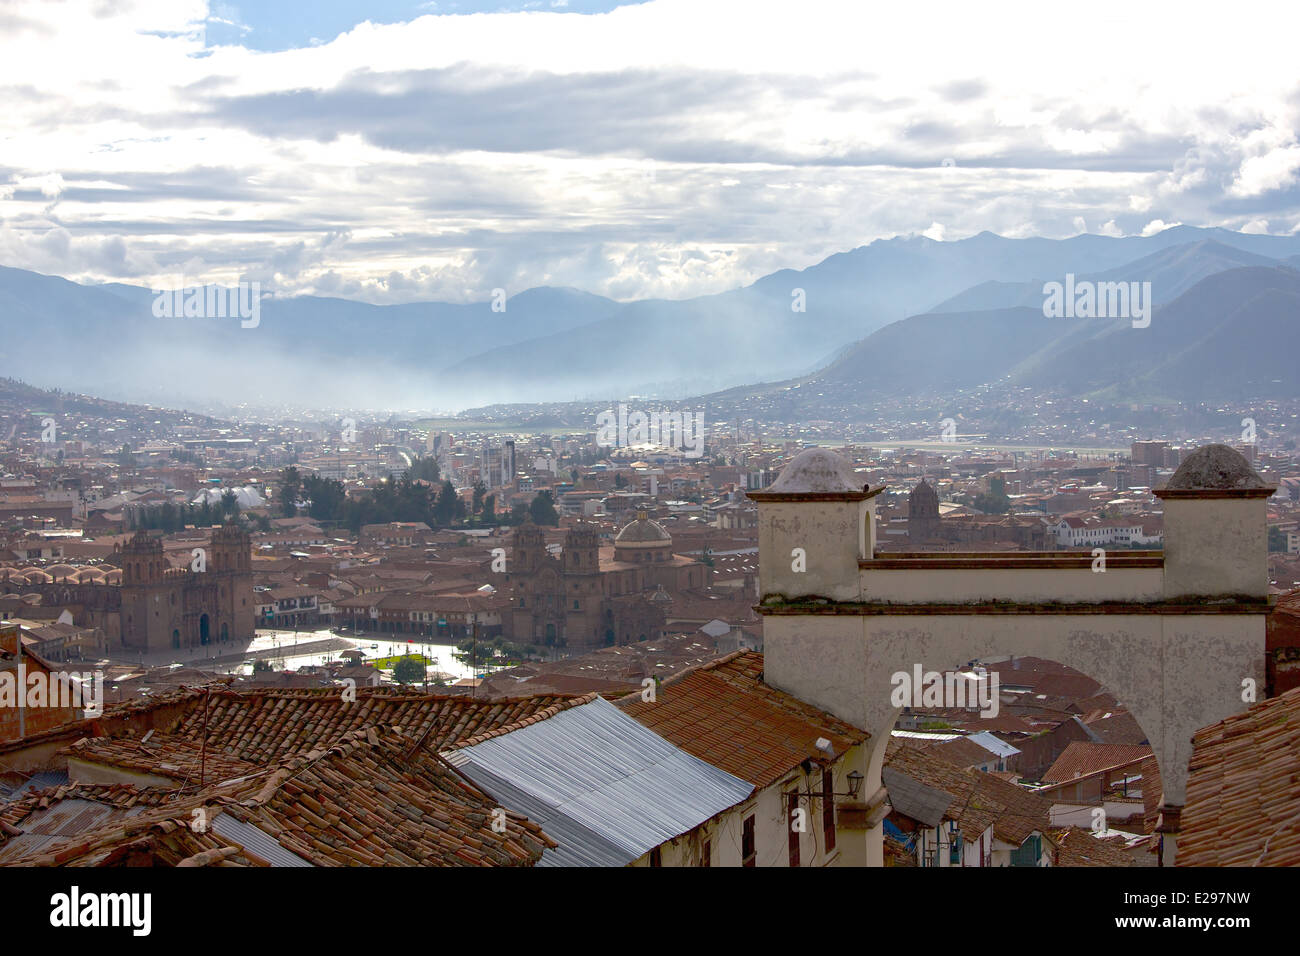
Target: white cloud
{"points": [[1274, 170], [1156, 225], [451, 154]]}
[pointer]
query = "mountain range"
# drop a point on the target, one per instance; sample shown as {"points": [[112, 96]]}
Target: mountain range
{"points": [[908, 315]]}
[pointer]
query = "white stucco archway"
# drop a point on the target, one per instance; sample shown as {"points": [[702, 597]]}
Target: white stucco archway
{"points": [[1174, 634]]}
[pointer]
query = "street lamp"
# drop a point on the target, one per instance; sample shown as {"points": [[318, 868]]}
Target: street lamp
{"points": [[855, 783], [853, 778]]}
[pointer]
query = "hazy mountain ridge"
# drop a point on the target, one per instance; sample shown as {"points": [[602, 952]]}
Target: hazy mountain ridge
{"points": [[1171, 272], [752, 334], [1233, 335], [555, 344]]}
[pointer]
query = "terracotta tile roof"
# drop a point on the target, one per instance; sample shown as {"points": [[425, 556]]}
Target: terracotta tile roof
{"points": [[723, 713], [1243, 789], [1082, 758], [367, 800], [1117, 728], [161, 755], [1067, 685], [961, 752], [262, 726], [1076, 846], [1005, 725], [112, 713], [979, 799], [553, 684]]}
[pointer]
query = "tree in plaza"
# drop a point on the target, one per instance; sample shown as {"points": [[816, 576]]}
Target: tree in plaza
{"points": [[408, 670]]}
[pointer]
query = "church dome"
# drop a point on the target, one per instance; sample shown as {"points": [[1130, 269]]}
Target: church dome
{"points": [[643, 533], [817, 471], [1215, 468]]}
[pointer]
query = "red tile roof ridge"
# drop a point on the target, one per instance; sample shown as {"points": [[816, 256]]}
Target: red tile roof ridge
{"points": [[708, 665], [535, 717], [91, 725], [295, 818], [705, 710]]}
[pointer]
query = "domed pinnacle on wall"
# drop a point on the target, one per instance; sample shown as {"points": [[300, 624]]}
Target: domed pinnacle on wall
{"points": [[1214, 470], [817, 474]]}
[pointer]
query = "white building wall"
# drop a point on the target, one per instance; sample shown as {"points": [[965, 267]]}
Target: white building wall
{"points": [[771, 823]]}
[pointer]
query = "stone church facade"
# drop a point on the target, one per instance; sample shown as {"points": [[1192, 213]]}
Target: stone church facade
{"points": [[180, 608], [581, 598], [154, 607]]}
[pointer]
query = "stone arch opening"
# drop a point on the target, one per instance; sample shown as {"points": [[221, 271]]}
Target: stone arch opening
{"points": [[1059, 732], [1177, 635]]}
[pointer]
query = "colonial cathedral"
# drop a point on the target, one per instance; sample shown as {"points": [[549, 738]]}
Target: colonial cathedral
{"points": [[147, 605], [181, 608], [583, 597]]}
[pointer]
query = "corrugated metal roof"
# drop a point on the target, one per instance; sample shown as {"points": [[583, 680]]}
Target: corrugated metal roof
{"points": [[603, 786], [39, 781], [994, 745], [578, 845], [256, 841], [64, 819]]}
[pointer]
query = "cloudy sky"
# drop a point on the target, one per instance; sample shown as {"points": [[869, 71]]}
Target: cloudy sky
{"points": [[393, 151]]}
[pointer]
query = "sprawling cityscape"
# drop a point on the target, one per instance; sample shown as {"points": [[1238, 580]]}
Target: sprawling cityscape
{"points": [[962, 545]]}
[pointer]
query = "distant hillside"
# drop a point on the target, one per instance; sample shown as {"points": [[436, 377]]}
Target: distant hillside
{"points": [[752, 334], [1171, 272], [1232, 335], [309, 351], [555, 344], [20, 404]]}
